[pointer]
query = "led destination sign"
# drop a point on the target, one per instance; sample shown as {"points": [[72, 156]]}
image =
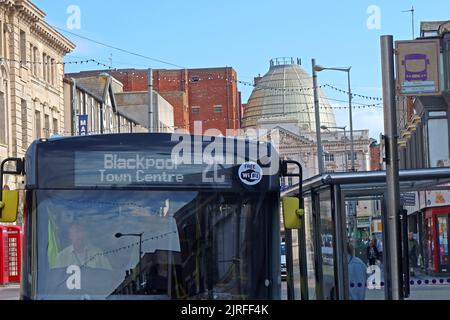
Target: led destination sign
{"points": [[130, 168]]}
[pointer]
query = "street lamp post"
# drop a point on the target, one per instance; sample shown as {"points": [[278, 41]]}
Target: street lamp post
{"points": [[120, 235], [320, 153], [345, 142], [350, 98]]}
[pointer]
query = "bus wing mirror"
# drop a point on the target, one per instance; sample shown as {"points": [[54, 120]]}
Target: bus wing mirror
{"points": [[292, 213], [9, 206]]}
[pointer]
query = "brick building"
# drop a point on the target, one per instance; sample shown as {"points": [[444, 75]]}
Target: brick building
{"points": [[375, 156], [209, 95]]}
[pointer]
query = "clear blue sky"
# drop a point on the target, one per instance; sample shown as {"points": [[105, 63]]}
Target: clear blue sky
{"points": [[246, 35]]}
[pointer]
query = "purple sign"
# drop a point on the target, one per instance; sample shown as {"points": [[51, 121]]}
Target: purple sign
{"points": [[416, 67]]}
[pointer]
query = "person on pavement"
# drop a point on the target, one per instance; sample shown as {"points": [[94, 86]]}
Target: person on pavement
{"points": [[413, 248], [357, 275]]}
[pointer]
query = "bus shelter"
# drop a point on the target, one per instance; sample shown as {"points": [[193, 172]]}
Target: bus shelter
{"points": [[334, 203]]}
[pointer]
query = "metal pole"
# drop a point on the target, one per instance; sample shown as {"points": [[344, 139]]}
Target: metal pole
{"points": [[317, 113], [392, 166], [340, 243], [345, 149], [350, 97], [74, 106], [289, 265], [151, 111], [140, 259]]}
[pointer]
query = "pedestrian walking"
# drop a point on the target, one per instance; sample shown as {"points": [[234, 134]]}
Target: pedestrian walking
{"points": [[413, 249]]}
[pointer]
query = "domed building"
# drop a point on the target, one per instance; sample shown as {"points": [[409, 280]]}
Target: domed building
{"points": [[286, 93], [281, 107]]}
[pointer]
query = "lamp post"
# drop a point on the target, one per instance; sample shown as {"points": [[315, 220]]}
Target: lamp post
{"points": [[120, 235], [350, 98], [320, 154], [345, 142]]}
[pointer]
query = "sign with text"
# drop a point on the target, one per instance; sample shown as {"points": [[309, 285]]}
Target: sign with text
{"points": [[418, 71], [408, 199], [94, 169], [83, 125]]}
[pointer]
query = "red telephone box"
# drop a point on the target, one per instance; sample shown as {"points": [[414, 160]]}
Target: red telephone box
{"points": [[4, 255], [437, 226], [10, 254], [14, 253]]}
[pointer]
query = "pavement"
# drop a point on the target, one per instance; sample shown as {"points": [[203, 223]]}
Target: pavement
{"points": [[422, 287], [10, 292]]}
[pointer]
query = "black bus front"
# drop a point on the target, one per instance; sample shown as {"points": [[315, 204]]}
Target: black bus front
{"points": [[121, 217]]}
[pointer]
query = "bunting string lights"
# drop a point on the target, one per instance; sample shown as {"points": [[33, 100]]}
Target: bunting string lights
{"points": [[139, 75]]}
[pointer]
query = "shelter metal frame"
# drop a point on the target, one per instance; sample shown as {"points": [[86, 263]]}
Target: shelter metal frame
{"points": [[360, 185]]}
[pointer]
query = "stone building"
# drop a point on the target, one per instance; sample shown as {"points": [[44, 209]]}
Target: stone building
{"points": [[95, 98], [134, 104], [31, 77], [282, 104]]}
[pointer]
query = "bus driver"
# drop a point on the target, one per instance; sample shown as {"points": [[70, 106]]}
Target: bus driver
{"points": [[80, 252]]}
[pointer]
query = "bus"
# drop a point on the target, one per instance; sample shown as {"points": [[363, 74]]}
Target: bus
{"points": [[149, 216]]}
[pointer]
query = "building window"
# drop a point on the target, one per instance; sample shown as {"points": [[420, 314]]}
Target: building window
{"points": [[37, 124], [111, 121], [349, 156], [23, 104], [31, 57], [290, 181], [437, 141], [101, 117], [1, 38], [218, 109], [92, 115], [5, 40], [53, 71], [47, 126], [35, 59], [48, 69], [23, 47], [3, 116], [82, 103], [44, 67], [55, 126], [329, 157], [195, 110], [195, 79]]}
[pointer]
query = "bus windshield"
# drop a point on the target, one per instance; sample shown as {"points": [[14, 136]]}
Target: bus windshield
{"points": [[111, 244]]}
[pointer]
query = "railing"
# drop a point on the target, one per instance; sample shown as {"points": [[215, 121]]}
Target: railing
{"points": [[284, 61]]}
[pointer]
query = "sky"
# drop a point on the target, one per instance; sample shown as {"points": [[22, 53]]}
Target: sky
{"points": [[246, 35]]}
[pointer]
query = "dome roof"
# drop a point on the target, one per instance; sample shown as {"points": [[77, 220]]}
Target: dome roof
{"points": [[285, 92]]}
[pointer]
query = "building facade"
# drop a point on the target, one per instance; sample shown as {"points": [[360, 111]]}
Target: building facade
{"points": [[282, 104], [134, 105], [424, 120], [31, 77], [337, 157], [94, 98], [423, 127], [208, 95]]}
